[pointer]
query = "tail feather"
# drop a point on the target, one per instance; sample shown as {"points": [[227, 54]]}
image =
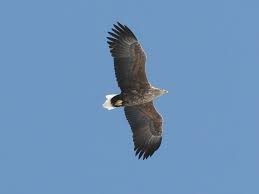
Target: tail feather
{"points": [[107, 104]]}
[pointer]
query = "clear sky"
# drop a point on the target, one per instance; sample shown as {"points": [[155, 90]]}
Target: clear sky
{"points": [[55, 70]]}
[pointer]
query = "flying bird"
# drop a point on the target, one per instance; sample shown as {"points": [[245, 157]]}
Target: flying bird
{"points": [[137, 94]]}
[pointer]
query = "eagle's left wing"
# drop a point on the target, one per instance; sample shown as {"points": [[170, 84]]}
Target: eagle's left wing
{"points": [[129, 58], [146, 125]]}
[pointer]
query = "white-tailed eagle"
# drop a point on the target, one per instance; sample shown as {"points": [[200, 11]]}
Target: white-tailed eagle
{"points": [[137, 94]]}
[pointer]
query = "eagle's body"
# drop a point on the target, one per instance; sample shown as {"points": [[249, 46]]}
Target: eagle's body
{"points": [[137, 94]]}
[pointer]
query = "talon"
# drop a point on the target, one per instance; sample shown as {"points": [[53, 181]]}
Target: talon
{"points": [[118, 103]]}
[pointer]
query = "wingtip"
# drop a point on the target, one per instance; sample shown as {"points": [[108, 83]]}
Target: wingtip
{"points": [[121, 26], [116, 24]]}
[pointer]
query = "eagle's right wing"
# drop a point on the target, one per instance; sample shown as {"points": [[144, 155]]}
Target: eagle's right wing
{"points": [[129, 58], [146, 125]]}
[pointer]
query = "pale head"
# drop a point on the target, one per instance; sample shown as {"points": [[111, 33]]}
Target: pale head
{"points": [[159, 92]]}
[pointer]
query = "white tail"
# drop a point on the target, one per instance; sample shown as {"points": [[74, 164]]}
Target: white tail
{"points": [[107, 104]]}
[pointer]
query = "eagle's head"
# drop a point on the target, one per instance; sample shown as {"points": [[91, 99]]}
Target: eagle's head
{"points": [[159, 92], [164, 91]]}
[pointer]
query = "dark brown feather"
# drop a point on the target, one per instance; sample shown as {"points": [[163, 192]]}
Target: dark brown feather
{"points": [[129, 58], [146, 125]]}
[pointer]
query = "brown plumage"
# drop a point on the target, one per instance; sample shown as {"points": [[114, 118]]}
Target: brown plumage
{"points": [[146, 125], [137, 94], [129, 58]]}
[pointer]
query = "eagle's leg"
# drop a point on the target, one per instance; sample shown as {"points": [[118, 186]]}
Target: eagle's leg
{"points": [[117, 101]]}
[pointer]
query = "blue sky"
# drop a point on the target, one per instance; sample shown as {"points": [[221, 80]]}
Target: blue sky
{"points": [[55, 69]]}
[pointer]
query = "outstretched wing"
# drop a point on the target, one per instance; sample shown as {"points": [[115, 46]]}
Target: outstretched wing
{"points": [[129, 58], [146, 125]]}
